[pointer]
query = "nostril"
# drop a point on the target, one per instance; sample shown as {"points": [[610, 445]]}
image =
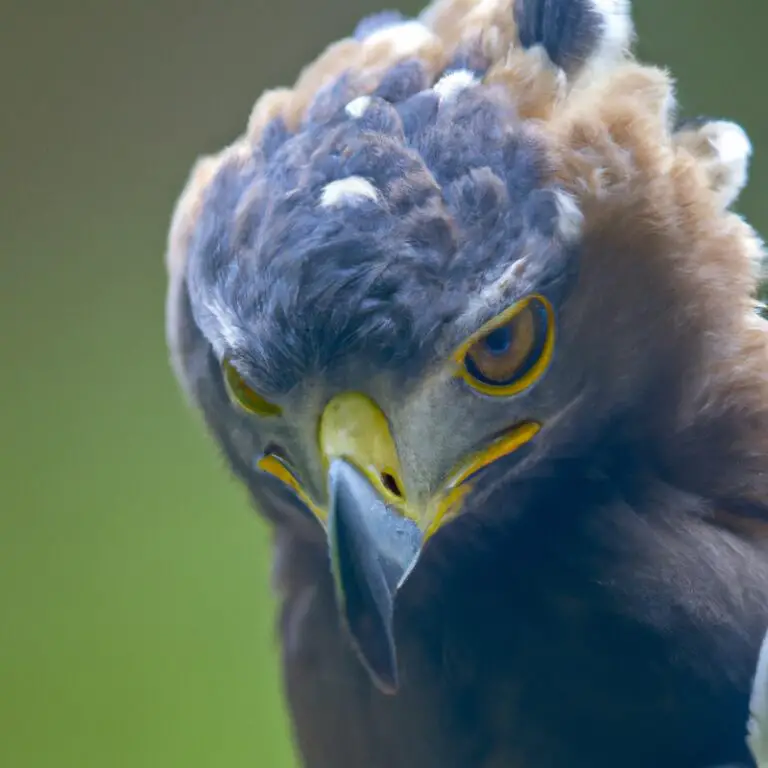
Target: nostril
{"points": [[391, 484]]}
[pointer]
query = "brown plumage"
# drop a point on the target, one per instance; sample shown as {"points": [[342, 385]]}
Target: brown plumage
{"points": [[598, 600]]}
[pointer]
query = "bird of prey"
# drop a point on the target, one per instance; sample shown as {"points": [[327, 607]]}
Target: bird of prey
{"points": [[469, 313]]}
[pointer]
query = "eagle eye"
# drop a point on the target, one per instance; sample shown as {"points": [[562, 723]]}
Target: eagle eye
{"points": [[245, 396], [512, 351]]}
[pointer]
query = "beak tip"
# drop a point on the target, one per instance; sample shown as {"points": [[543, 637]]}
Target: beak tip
{"points": [[387, 687], [383, 674]]}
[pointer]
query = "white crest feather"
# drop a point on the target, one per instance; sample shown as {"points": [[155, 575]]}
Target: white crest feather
{"points": [[454, 82], [347, 191], [569, 218], [734, 151], [616, 35], [356, 108]]}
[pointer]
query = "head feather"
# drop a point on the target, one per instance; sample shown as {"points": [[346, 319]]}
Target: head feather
{"points": [[483, 127]]}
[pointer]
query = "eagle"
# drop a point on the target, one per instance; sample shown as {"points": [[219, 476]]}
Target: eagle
{"points": [[469, 313]]}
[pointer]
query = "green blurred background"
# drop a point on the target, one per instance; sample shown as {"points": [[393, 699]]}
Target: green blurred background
{"points": [[135, 611]]}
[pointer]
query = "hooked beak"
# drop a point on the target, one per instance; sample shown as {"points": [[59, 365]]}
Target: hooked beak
{"points": [[375, 532], [372, 550]]}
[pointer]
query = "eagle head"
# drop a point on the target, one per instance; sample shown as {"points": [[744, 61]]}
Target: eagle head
{"points": [[463, 251]]}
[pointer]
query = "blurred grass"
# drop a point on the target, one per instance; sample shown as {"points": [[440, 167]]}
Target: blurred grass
{"points": [[136, 623], [135, 611]]}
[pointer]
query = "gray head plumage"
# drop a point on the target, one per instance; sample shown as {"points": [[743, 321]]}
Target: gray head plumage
{"points": [[368, 230]]}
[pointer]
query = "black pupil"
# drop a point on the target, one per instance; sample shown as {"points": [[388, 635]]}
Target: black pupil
{"points": [[497, 342]]}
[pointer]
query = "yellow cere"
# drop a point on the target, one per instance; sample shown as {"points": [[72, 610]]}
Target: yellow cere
{"points": [[525, 336], [447, 504], [245, 396], [353, 427]]}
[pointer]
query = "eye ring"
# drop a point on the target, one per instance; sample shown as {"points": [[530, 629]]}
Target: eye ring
{"points": [[243, 395], [512, 351]]}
